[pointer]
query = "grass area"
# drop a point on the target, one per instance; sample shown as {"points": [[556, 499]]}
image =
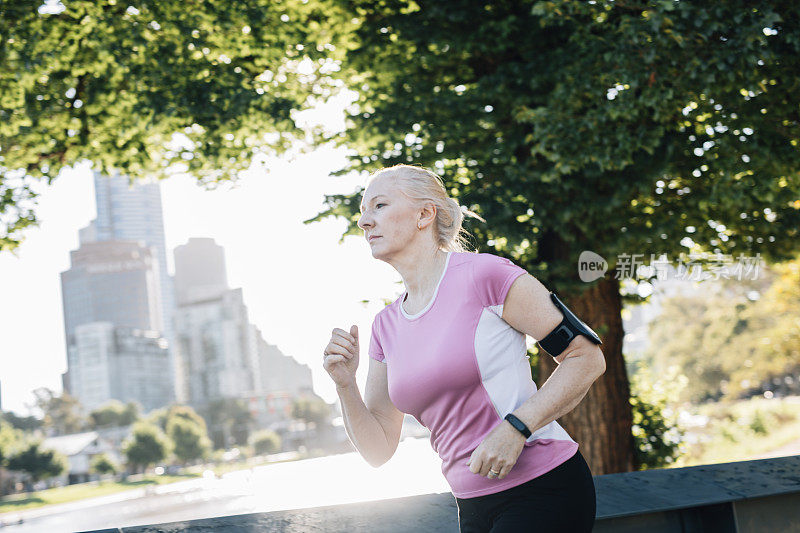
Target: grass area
{"points": [[70, 493], [742, 430]]}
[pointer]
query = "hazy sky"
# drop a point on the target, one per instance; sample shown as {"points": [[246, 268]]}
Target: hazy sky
{"points": [[298, 282]]}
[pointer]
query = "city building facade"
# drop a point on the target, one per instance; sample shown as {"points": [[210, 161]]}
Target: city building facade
{"points": [[215, 349], [118, 277], [111, 281], [109, 362]]}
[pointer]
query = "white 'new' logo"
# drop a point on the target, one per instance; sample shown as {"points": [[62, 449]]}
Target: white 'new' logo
{"points": [[591, 266]]}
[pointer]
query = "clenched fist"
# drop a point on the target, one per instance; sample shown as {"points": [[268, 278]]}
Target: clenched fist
{"points": [[341, 356]]}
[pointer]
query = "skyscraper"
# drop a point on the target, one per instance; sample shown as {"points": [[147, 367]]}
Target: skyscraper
{"points": [[215, 344], [112, 321], [126, 364], [118, 279], [111, 281], [133, 213], [199, 269], [216, 349], [220, 353]]}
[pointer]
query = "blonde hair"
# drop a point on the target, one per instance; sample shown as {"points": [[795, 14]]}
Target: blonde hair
{"points": [[424, 186]]}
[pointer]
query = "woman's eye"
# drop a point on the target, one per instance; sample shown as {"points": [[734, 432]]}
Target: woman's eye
{"points": [[378, 205]]}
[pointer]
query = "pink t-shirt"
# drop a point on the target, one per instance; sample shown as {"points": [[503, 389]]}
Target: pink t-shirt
{"points": [[459, 368]]}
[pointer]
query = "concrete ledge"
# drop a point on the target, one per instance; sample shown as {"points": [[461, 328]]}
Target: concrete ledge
{"points": [[747, 496], [650, 491], [428, 512]]}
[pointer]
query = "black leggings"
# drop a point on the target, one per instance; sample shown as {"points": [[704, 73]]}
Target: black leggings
{"points": [[561, 500]]}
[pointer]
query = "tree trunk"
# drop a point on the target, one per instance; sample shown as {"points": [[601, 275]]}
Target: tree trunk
{"points": [[601, 423]]}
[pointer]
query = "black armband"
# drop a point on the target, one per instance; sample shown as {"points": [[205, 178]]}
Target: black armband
{"points": [[557, 340]]}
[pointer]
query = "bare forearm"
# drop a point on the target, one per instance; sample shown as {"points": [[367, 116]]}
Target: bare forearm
{"points": [[561, 393], [363, 429]]}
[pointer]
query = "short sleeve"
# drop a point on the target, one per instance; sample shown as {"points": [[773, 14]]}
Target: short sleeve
{"points": [[493, 276], [375, 349]]}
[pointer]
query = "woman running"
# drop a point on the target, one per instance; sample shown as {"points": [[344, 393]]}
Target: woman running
{"points": [[451, 352]]}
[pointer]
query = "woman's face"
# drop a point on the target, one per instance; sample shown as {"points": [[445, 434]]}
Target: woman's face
{"points": [[388, 218]]}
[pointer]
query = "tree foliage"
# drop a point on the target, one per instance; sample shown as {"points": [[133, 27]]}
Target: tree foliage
{"points": [[147, 445], [157, 417], [114, 414], [25, 423], [151, 88], [102, 464], [614, 128], [37, 462], [311, 409], [740, 339], [161, 417], [189, 437], [9, 437], [62, 414], [185, 428], [265, 441], [229, 421], [656, 431]]}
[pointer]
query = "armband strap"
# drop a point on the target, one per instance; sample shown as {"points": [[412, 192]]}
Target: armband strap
{"points": [[571, 326]]}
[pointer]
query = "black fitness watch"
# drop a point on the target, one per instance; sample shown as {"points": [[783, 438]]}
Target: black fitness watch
{"points": [[519, 425]]}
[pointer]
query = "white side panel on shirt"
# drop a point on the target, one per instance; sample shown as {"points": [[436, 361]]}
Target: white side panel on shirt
{"points": [[505, 371]]}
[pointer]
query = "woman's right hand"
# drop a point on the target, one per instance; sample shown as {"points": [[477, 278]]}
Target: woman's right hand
{"points": [[341, 356]]}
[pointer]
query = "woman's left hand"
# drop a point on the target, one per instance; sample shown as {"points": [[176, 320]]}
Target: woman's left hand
{"points": [[499, 451]]}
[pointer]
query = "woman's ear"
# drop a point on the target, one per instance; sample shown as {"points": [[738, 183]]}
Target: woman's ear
{"points": [[428, 214]]}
